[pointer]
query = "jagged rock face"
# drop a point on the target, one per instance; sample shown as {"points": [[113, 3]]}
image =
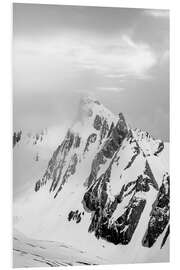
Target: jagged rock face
{"points": [[124, 176], [117, 136], [160, 214], [103, 205], [71, 169], [109, 148], [78, 144]]}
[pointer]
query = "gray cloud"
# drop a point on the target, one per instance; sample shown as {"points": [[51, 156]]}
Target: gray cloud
{"points": [[63, 52], [158, 13]]}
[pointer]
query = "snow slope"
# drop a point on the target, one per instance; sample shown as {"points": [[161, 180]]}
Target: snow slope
{"points": [[37, 253]]}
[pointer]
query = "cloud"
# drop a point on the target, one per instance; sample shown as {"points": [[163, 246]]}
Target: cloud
{"points": [[157, 13], [165, 56], [60, 55], [116, 75], [110, 89], [121, 55], [69, 54]]}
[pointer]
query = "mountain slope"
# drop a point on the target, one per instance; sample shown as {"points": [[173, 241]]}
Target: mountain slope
{"points": [[106, 185]]}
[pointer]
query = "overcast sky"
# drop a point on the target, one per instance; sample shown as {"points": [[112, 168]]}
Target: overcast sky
{"points": [[63, 52]]}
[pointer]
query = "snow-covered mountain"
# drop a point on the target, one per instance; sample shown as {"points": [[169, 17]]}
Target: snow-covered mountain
{"points": [[105, 188]]}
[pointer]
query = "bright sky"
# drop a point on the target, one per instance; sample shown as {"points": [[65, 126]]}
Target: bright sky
{"points": [[119, 55]]}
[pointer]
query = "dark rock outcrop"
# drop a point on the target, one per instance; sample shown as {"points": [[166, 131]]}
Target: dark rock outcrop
{"points": [[159, 217], [75, 215], [16, 137], [166, 236], [77, 141], [37, 185], [160, 148], [91, 139], [97, 122]]}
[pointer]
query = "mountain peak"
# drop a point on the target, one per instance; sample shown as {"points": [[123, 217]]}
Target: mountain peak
{"points": [[105, 179], [89, 108], [86, 100]]}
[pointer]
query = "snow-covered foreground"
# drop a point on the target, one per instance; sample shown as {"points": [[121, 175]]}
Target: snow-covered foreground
{"points": [[38, 253], [29, 252]]}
